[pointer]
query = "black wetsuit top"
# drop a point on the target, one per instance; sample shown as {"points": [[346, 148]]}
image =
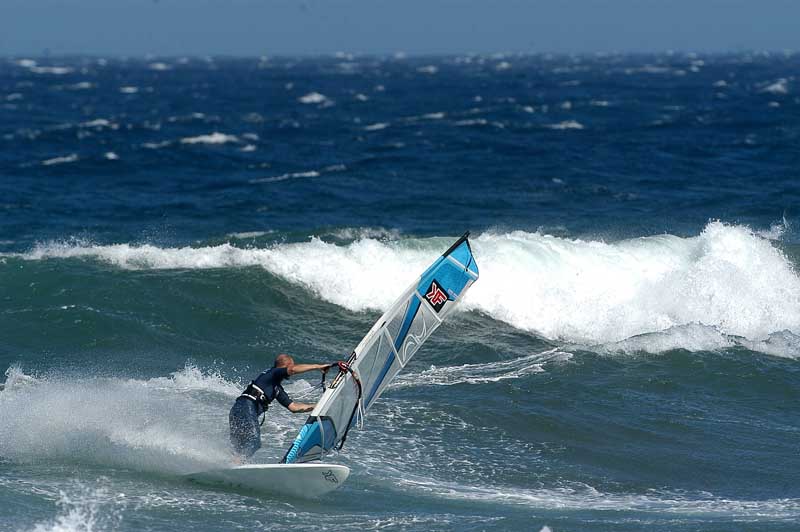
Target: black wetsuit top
{"points": [[270, 382]]}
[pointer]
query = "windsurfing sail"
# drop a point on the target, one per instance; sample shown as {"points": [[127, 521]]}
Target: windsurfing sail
{"points": [[384, 351]]}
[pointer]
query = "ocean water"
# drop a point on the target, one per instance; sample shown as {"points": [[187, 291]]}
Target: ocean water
{"points": [[628, 360]]}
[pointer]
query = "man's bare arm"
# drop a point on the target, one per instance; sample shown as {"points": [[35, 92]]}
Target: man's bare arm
{"points": [[300, 407], [302, 368]]}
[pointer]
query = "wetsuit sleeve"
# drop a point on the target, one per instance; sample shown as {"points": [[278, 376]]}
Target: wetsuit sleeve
{"points": [[283, 398]]}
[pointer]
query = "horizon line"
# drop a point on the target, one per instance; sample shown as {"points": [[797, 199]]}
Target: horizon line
{"points": [[400, 55]]}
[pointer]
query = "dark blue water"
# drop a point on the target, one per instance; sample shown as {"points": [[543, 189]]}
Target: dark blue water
{"points": [[628, 359]]}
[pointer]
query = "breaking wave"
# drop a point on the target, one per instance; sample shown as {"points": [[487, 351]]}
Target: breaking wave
{"points": [[728, 281]]}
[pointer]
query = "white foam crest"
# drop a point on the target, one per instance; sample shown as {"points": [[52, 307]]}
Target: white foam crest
{"points": [[481, 373], [71, 158], [358, 233], [471, 122], [98, 123], [780, 86], [81, 85], [595, 292], [377, 126], [53, 70], [429, 69], [156, 145], [589, 292], [213, 138], [284, 177], [567, 124], [692, 337], [697, 337], [781, 343], [166, 424], [312, 98], [159, 66], [244, 235], [150, 257]]}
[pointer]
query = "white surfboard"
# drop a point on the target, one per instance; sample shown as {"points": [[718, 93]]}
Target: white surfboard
{"points": [[299, 480]]}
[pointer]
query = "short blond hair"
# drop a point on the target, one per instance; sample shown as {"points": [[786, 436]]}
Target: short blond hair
{"points": [[283, 360]]}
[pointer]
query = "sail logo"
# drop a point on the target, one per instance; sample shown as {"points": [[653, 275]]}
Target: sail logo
{"points": [[436, 296]]}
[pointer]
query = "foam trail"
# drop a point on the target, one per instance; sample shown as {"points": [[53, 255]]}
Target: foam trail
{"points": [[480, 373], [579, 496], [728, 278]]}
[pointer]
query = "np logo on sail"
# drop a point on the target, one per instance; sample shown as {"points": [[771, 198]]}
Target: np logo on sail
{"points": [[436, 296]]}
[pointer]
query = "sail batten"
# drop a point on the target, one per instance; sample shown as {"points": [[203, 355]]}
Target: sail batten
{"points": [[385, 350]]}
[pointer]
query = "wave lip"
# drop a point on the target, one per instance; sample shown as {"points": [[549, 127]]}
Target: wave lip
{"points": [[698, 337], [727, 277]]}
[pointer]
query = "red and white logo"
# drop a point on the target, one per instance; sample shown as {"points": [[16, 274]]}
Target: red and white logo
{"points": [[436, 296]]}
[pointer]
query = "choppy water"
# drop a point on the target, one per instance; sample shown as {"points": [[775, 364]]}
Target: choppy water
{"points": [[627, 361]]}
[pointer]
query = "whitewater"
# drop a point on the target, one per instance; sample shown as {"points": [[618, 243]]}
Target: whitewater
{"points": [[727, 285]]}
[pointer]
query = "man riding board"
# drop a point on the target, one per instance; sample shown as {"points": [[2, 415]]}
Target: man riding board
{"points": [[255, 400]]}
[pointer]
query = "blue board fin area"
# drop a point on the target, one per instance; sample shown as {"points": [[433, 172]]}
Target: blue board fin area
{"points": [[310, 436]]}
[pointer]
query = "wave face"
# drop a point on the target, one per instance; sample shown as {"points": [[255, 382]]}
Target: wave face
{"points": [[728, 279]]}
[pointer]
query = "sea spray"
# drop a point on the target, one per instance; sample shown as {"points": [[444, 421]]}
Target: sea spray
{"points": [[158, 425], [84, 508]]}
